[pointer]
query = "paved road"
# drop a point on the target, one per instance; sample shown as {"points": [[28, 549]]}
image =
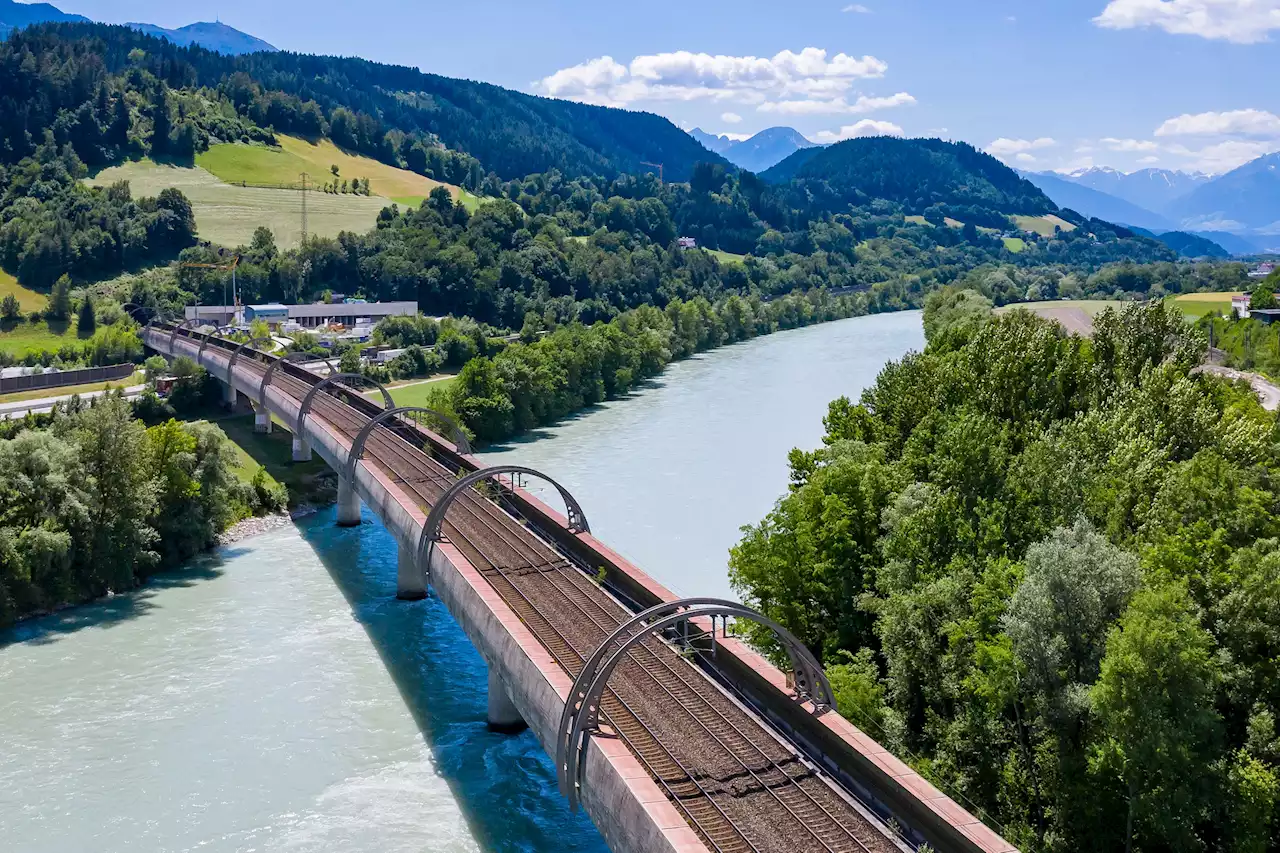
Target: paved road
{"points": [[1268, 392], [44, 404]]}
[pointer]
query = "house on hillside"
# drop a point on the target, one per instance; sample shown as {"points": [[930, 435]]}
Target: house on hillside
{"points": [[1262, 270], [687, 243]]}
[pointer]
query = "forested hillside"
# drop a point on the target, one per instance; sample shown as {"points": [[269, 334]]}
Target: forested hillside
{"points": [[369, 107], [917, 173], [1046, 571]]}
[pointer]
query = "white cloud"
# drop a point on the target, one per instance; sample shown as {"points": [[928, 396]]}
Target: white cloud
{"points": [[857, 8], [1004, 147], [1128, 146], [834, 106], [1224, 156], [1147, 161], [730, 118], [685, 76], [1241, 21], [1235, 122], [1024, 157], [866, 127]]}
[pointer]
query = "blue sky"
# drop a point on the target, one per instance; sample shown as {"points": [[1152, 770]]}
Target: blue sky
{"points": [[1054, 84]]}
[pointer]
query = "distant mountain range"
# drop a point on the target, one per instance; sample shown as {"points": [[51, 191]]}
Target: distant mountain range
{"points": [[1239, 211], [213, 36], [216, 36], [766, 149]]}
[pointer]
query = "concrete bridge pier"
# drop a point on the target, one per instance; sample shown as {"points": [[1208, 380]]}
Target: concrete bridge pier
{"points": [[348, 503], [301, 450], [261, 419], [503, 716], [229, 398], [411, 583]]}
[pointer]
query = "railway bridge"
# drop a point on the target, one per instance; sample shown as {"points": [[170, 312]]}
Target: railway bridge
{"points": [[672, 735]]}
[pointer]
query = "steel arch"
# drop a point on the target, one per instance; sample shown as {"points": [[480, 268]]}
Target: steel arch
{"points": [[332, 379], [357, 446], [289, 356], [582, 708], [216, 333], [231, 363], [432, 528], [185, 324]]}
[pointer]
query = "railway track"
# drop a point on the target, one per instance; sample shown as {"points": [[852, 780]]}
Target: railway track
{"points": [[738, 786]]}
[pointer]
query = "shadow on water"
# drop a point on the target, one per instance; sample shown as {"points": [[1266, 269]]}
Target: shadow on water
{"points": [[111, 611], [505, 784]]}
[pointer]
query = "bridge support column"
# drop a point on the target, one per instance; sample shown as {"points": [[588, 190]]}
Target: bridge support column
{"points": [[301, 450], [503, 716], [348, 503], [411, 582], [261, 420], [229, 398]]}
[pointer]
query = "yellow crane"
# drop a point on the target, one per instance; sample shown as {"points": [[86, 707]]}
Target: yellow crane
{"points": [[657, 166]]}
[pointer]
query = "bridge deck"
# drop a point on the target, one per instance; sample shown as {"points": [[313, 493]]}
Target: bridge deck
{"points": [[736, 783]]}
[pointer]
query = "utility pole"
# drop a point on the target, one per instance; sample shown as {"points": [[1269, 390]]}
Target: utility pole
{"points": [[304, 208], [657, 166]]}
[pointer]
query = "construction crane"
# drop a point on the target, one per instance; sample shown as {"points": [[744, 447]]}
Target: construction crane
{"points": [[235, 262], [657, 166]]}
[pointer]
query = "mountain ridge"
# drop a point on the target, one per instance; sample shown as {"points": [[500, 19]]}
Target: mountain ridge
{"points": [[215, 36], [758, 152]]}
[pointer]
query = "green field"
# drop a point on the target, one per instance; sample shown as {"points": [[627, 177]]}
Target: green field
{"points": [[1092, 307], [67, 390], [726, 257], [1014, 244], [228, 215], [415, 393], [17, 338], [1043, 225], [1196, 305], [29, 299]]}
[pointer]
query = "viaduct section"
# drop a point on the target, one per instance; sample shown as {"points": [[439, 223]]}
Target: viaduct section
{"points": [[672, 735]]}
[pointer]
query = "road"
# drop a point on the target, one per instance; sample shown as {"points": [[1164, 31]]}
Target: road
{"points": [[1268, 392], [43, 404]]}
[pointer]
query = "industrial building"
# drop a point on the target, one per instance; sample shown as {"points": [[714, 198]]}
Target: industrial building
{"points": [[317, 314]]}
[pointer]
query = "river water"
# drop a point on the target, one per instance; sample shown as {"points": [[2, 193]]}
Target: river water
{"points": [[275, 696]]}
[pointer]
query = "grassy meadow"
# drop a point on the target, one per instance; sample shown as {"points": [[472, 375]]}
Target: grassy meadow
{"points": [[1196, 305], [1043, 225], [30, 300], [17, 338]]}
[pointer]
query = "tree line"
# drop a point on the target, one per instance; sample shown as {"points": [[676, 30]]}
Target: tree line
{"points": [[92, 501], [1045, 571]]}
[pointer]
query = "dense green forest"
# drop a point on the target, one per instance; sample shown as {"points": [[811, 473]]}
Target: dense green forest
{"points": [[366, 106], [1046, 570], [93, 501]]}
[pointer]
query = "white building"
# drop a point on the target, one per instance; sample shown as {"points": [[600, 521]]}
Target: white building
{"points": [[1240, 305], [310, 316], [1262, 270]]}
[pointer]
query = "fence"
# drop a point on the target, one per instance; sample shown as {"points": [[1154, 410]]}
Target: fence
{"points": [[82, 376]]}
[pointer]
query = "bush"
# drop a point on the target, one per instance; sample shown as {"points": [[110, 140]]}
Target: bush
{"points": [[269, 494]]}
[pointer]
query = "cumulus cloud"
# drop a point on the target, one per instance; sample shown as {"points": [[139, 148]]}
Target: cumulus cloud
{"points": [[1241, 21], [685, 76], [1232, 123], [856, 8], [866, 127], [835, 106], [730, 118], [1148, 161], [1224, 156], [1128, 146], [1004, 147]]}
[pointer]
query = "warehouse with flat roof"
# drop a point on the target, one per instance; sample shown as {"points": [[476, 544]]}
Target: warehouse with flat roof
{"points": [[310, 316]]}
